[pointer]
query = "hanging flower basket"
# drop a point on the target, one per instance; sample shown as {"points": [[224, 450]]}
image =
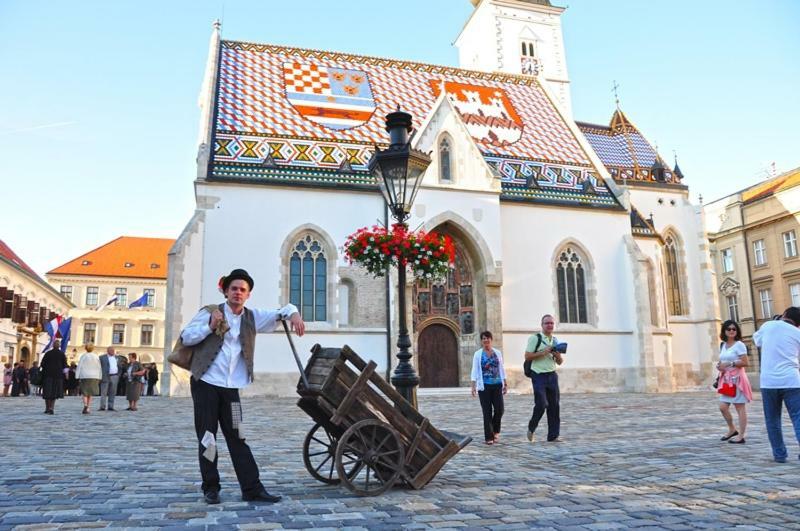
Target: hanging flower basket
{"points": [[427, 254]]}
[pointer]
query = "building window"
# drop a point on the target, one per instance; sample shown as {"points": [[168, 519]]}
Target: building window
{"points": [[733, 308], [445, 175], [151, 297], [760, 252], [308, 279], [118, 335], [727, 260], [571, 282], [794, 290], [147, 334], [89, 333], [766, 303], [91, 295], [673, 273], [122, 297], [789, 244], [528, 61], [66, 292]]}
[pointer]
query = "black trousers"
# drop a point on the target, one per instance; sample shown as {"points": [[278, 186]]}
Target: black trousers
{"points": [[215, 406], [492, 405], [546, 396]]}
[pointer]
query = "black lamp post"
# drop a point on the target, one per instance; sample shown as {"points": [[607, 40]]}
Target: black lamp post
{"points": [[399, 170]]}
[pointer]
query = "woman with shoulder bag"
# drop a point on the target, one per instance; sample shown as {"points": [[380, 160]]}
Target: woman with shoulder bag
{"points": [[733, 385], [489, 383]]}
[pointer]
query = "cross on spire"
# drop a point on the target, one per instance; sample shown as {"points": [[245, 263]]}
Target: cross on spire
{"points": [[614, 88]]}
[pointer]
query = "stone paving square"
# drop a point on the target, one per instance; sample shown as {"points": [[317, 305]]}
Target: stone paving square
{"points": [[628, 461]]}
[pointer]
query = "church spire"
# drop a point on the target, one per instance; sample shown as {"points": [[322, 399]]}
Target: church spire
{"points": [[676, 171]]}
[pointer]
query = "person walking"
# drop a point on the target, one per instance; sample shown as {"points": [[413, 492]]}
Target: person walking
{"points": [[546, 394], [779, 342], [733, 385], [109, 363], [152, 379], [89, 374], [489, 382], [134, 390], [223, 337], [8, 371], [53, 364], [35, 379]]}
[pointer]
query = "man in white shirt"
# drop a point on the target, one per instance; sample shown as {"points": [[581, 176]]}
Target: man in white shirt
{"points": [[222, 363], [779, 342], [110, 378]]}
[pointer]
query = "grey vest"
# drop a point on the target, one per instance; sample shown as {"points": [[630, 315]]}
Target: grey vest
{"points": [[206, 351]]}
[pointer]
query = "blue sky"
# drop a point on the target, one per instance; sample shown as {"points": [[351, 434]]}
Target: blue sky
{"points": [[99, 116]]}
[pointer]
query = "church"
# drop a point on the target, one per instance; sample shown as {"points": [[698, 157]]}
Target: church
{"points": [[549, 215]]}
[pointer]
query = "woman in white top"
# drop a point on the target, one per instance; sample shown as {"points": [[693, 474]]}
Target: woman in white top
{"points": [[89, 374], [489, 383], [732, 361]]}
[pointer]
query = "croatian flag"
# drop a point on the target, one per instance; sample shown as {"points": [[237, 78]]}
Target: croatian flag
{"points": [[141, 301], [108, 303], [58, 328]]}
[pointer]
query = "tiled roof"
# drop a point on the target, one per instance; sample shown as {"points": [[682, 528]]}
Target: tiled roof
{"points": [[289, 92], [623, 149], [7, 254], [125, 256], [776, 184]]}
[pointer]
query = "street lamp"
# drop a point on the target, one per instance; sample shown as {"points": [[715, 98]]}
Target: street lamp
{"points": [[399, 170]]}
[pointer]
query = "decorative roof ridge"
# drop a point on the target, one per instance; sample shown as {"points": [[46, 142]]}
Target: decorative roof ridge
{"points": [[411, 65]]}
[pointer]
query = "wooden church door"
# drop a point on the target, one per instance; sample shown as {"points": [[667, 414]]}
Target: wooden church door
{"points": [[438, 356]]}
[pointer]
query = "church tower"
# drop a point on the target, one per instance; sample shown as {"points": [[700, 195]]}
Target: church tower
{"points": [[518, 37]]}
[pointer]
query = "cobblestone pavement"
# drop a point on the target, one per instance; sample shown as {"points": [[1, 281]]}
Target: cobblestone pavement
{"points": [[627, 461]]}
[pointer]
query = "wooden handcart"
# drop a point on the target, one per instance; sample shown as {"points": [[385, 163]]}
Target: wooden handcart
{"points": [[366, 436]]}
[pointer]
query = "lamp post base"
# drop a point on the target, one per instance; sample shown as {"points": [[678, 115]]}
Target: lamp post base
{"points": [[407, 388]]}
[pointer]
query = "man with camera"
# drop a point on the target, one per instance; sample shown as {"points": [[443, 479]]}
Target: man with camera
{"points": [[544, 357]]}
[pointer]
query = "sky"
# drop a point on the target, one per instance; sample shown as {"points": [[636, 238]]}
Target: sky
{"points": [[99, 116]]}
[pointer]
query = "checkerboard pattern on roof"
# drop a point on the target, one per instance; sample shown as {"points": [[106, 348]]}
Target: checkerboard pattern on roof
{"points": [[251, 101], [614, 148]]}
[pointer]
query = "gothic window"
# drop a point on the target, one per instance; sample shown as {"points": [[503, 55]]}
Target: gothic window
{"points": [[308, 278], [673, 273], [445, 173], [571, 283], [450, 297]]}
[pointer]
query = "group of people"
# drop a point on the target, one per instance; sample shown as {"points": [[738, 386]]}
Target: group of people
{"points": [[93, 375], [489, 382], [778, 341]]}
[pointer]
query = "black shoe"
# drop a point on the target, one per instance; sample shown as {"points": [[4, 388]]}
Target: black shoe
{"points": [[731, 436], [261, 496], [211, 497], [101, 409], [734, 441], [111, 409]]}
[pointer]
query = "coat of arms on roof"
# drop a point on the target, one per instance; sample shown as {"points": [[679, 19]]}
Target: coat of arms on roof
{"points": [[487, 112], [338, 98]]}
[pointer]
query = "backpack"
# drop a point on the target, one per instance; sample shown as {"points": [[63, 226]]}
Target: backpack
{"points": [[526, 367]]}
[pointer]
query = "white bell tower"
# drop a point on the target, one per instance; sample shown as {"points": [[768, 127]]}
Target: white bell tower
{"points": [[518, 37]]}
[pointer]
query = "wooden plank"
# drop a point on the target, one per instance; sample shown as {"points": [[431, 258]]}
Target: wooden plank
{"points": [[412, 448], [426, 474], [353, 393]]}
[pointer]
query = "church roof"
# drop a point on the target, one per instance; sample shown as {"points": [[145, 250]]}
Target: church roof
{"points": [[625, 151], [313, 117], [125, 256]]}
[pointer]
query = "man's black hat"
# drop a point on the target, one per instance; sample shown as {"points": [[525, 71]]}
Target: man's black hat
{"points": [[237, 274]]}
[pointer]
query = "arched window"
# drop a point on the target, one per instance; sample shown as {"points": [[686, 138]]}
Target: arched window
{"points": [[445, 174], [672, 270], [308, 278], [571, 283]]}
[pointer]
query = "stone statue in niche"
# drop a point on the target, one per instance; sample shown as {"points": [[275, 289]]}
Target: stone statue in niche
{"points": [[452, 304], [438, 296], [467, 326], [424, 302], [466, 296]]}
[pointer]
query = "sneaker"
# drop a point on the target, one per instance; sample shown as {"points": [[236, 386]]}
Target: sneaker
{"points": [[530, 436]]}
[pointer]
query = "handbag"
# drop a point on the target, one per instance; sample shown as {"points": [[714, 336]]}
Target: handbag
{"points": [[727, 389], [181, 355]]}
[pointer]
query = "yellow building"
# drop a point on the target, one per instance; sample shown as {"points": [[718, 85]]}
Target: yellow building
{"points": [[122, 271], [26, 302], [753, 235]]}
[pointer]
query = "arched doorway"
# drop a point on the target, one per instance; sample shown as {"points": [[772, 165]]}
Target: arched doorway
{"points": [[438, 356], [444, 319], [25, 356]]}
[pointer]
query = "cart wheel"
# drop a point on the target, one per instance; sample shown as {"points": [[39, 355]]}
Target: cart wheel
{"points": [[369, 457], [319, 454]]}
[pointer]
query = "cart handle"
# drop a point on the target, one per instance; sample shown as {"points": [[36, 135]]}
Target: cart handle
{"points": [[294, 351]]}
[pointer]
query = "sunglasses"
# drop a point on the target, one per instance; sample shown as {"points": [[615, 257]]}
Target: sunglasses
{"points": [[730, 330]]}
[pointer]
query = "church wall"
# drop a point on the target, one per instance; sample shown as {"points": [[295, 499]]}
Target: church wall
{"points": [[233, 239], [531, 240]]}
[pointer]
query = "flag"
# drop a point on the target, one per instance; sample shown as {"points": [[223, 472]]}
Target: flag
{"points": [[141, 301], [64, 329], [109, 302]]}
